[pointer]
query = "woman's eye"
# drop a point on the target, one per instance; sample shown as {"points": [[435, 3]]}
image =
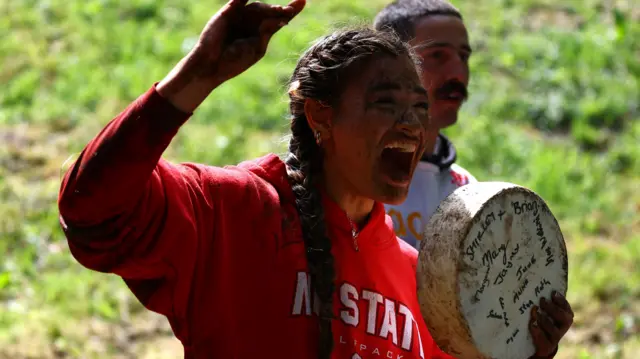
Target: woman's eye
{"points": [[423, 105], [385, 101]]}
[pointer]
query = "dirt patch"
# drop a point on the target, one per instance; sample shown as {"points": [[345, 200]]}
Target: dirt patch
{"points": [[32, 151], [147, 335]]}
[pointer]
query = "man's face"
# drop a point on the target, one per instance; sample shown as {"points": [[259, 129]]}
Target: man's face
{"points": [[378, 130], [443, 45]]}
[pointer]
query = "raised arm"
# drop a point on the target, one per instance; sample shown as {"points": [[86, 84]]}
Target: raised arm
{"points": [[125, 210]]}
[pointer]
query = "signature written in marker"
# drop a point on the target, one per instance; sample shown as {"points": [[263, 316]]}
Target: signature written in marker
{"points": [[471, 249], [491, 255], [524, 268]]}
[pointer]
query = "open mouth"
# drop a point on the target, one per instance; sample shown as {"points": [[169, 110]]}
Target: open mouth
{"points": [[396, 161]]}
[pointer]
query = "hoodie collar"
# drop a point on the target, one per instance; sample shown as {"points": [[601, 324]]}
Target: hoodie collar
{"points": [[444, 154], [376, 233]]}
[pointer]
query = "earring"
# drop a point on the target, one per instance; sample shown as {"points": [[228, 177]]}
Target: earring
{"points": [[318, 138]]}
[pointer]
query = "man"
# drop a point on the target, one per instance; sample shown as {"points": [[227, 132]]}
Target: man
{"points": [[436, 29]]}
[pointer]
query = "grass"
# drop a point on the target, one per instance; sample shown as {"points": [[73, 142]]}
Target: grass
{"points": [[554, 107]]}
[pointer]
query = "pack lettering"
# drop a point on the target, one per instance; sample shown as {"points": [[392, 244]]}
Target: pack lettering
{"points": [[363, 348], [365, 307]]}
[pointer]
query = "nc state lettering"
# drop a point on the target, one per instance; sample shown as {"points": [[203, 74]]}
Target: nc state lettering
{"points": [[400, 330]]}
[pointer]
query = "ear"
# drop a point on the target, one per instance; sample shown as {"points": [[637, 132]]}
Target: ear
{"points": [[319, 117]]}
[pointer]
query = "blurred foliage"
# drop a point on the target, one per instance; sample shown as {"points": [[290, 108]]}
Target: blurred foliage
{"points": [[554, 106]]}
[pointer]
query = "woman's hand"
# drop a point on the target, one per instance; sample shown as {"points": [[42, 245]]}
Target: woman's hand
{"points": [[236, 37], [232, 41], [550, 324]]}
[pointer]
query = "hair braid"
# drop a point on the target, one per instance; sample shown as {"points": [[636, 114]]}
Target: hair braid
{"points": [[305, 167], [317, 76]]}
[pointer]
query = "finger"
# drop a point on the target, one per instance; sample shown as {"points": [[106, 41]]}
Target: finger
{"points": [[237, 3], [264, 11], [295, 7], [233, 7], [258, 11], [557, 313], [562, 302], [540, 339], [548, 327], [267, 10]]}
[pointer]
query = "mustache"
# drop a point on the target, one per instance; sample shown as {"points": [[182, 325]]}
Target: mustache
{"points": [[452, 86]]}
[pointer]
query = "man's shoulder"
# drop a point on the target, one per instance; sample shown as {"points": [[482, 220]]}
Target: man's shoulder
{"points": [[460, 176]]}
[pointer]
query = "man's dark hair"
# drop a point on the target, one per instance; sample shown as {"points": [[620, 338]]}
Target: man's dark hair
{"points": [[401, 15], [321, 75]]}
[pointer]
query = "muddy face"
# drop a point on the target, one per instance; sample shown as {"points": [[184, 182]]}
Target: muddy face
{"points": [[378, 130]]}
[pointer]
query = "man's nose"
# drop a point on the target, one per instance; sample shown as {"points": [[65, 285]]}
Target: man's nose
{"points": [[458, 70]]}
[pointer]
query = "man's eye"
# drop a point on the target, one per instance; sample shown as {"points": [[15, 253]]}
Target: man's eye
{"points": [[437, 55]]}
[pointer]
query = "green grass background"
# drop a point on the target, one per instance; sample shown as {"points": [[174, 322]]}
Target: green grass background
{"points": [[555, 96]]}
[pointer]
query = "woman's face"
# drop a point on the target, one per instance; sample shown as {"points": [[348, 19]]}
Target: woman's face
{"points": [[377, 130]]}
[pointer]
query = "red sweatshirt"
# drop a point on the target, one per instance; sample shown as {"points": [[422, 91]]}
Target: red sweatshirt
{"points": [[219, 251]]}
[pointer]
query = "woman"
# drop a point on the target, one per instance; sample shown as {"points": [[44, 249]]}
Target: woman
{"points": [[261, 259]]}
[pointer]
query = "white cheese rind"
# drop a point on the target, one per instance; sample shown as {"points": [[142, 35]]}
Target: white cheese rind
{"points": [[490, 251]]}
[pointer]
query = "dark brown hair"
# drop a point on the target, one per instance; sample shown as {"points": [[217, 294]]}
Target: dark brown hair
{"points": [[321, 75], [401, 15]]}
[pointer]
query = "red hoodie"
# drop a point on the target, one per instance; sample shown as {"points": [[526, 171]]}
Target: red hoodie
{"points": [[219, 251]]}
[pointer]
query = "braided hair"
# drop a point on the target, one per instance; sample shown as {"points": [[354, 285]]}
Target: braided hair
{"points": [[320, 75]]}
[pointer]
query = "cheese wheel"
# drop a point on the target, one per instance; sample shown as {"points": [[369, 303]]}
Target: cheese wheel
{"points": [[488, 254]]}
